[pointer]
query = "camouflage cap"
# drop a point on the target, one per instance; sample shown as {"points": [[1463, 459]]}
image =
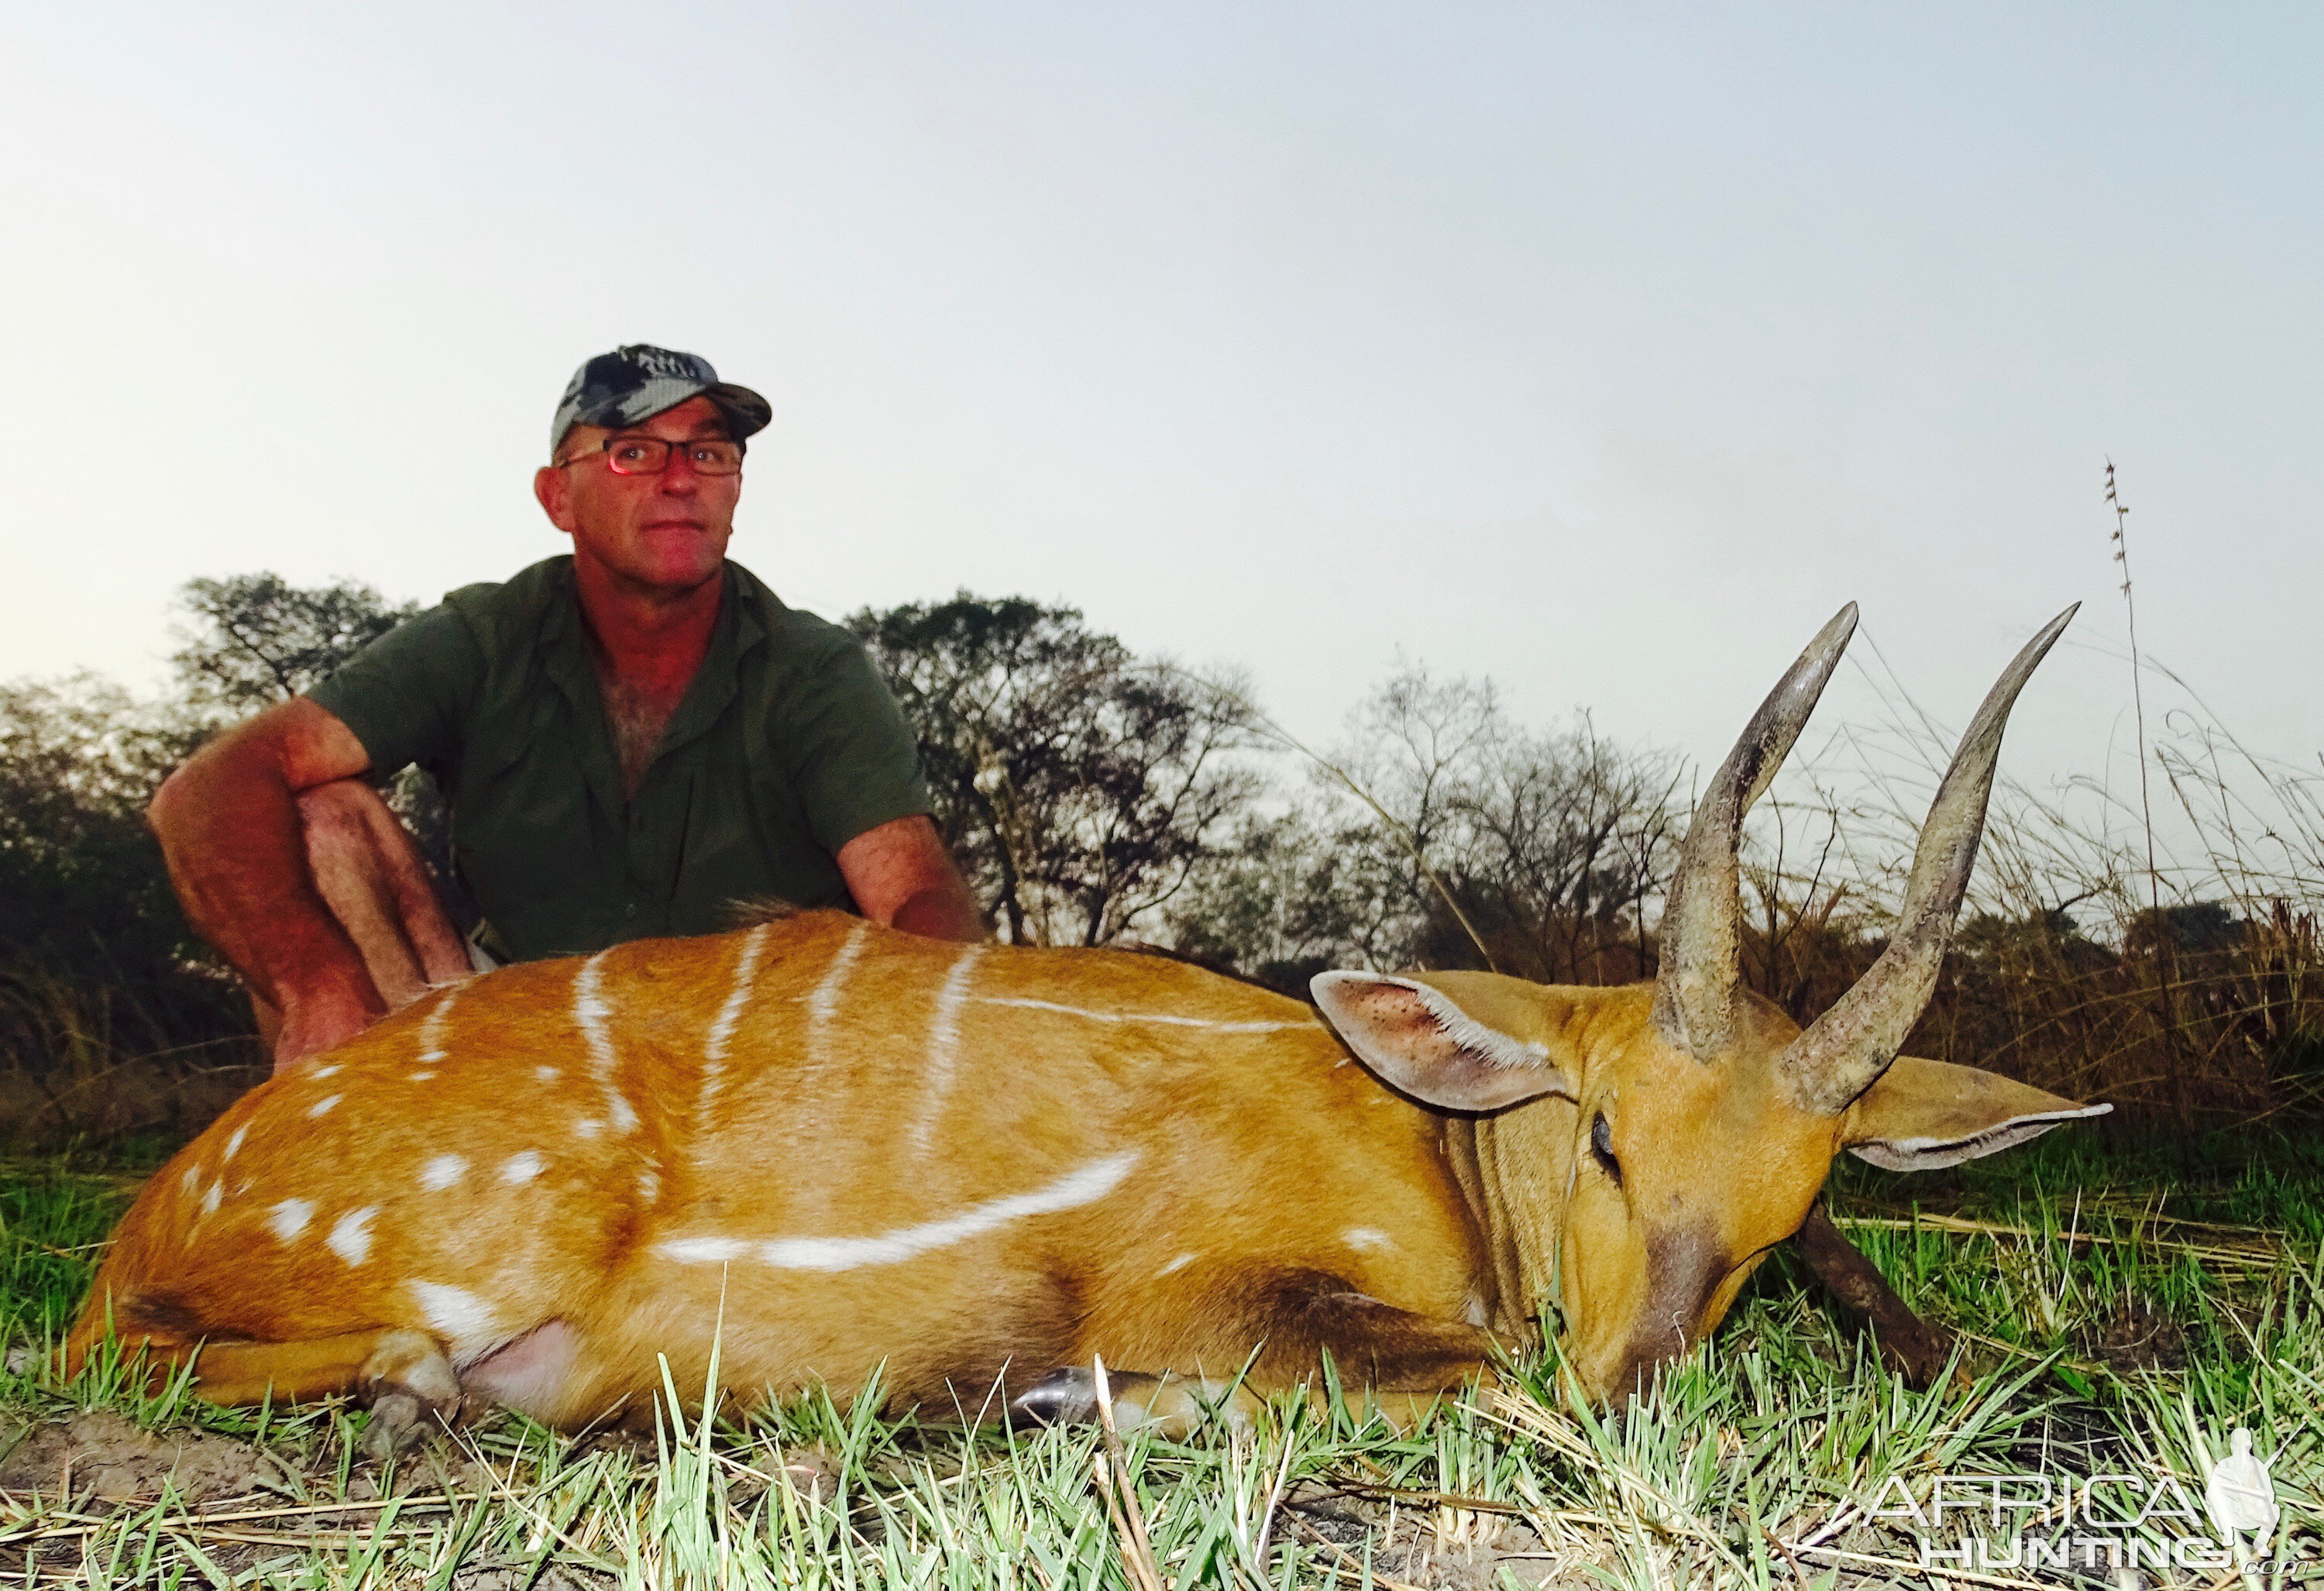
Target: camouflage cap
{"points": [[638, 380]]}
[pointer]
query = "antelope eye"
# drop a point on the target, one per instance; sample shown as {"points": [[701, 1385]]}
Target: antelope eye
{"points": [[1601, 1149]]}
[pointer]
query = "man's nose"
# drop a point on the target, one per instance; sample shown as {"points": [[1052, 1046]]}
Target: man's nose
{"points": [[678, 477]]}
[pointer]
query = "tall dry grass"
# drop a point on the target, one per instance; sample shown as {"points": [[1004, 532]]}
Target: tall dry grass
{"points": [[2158, 948], [84, 1061]]}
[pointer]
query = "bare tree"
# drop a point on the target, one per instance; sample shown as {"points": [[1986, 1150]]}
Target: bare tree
{"points": [[1550, 846]]}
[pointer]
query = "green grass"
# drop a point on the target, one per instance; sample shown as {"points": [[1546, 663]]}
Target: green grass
{"points": [[1748, 1466]]}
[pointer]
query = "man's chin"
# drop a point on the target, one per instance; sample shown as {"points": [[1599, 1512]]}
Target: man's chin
{"points": [[681, 579], [668, 578]]}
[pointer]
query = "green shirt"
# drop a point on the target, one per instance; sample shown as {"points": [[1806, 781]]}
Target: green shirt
{"points": [[787, 746]]}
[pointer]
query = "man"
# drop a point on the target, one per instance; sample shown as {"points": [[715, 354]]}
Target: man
{"points": [[631, 740]]}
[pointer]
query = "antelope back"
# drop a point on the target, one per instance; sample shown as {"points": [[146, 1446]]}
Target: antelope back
{"points": [[834, 1148]]}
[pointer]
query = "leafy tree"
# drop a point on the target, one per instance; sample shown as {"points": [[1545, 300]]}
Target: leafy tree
{"points": [[2195, 927], [258, 640], [1296, 892], [80, 879], [94, 956], [1078, 787], [84, 899]]}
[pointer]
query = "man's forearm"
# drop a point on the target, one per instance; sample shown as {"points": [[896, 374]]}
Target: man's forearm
{"points": [[942, 912], [229, 827], [901, 875]]}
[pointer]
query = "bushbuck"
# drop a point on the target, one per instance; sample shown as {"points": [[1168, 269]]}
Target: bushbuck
{"points": [[836, 1150]]}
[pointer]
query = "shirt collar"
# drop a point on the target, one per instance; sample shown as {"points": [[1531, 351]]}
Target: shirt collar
{"points": [[565, 653]]}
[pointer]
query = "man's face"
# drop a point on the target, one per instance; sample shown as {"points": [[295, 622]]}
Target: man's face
{"points": [[658, 534]]}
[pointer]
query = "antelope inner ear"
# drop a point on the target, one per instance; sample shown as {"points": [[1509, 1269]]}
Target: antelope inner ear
{"points": [[1925, 1114], [1420, 1040]]}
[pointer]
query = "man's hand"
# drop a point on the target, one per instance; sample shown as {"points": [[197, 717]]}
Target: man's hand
{"points": [[229, 826], [902, 876]]}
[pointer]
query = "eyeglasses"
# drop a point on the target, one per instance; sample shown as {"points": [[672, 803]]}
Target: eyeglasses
{"points": [[649, 455]]}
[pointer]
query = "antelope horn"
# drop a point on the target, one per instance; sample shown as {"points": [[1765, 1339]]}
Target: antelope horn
{"points": [[1844, 1051], [1694, 991]]}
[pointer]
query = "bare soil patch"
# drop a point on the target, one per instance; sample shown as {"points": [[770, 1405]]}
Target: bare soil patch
{"points": [[102, 1453]]}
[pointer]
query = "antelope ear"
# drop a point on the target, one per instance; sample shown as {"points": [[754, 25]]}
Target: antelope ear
{"points": [[1449, 1046], [1925, 1114]]}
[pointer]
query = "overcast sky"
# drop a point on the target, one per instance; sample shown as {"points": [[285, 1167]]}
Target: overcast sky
{"points": [[1602, 350]]}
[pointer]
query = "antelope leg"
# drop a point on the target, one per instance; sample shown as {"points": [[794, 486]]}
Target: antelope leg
{"points": [[403, 1374], [1391, 1358], [1909, 1343]]}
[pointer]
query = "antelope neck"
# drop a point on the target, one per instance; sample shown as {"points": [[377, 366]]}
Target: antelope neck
{"points": [[1517, 1222]]}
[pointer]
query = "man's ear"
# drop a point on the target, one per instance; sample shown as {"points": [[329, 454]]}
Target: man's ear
{"points": [[1925, 1114], [552, 489], [1462, 1047]]}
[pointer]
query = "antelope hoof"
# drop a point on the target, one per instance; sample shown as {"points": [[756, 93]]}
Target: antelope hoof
{"points": [[411, 1389], [1062, 1397], [395, 1426], [1170, 1406]]}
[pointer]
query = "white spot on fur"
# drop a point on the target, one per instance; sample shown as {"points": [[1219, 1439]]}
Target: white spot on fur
{"points": [[466, 1322], [327, 1070], [625, 1118], [694, 1250], [1086, 1185], [1472, 1309], [649, 1186], [350, 1237], [1140, 1016], [588, 1126], [420, 1076], [1367, 1237], [190, 1179], [722, 1031], [234, 1144], [1175, 1265], [521, 1167], [943, 1047], [322, 1105], [289, 1218], [547, 1073], [442, 1172], [211, 1200]]}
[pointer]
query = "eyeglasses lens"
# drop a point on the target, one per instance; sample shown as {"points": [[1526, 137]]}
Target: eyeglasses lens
{"points": [[649, 455]]}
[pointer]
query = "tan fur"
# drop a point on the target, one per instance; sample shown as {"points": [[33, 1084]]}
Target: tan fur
{"points": [[1268, 1195], [1257, 1151]]}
